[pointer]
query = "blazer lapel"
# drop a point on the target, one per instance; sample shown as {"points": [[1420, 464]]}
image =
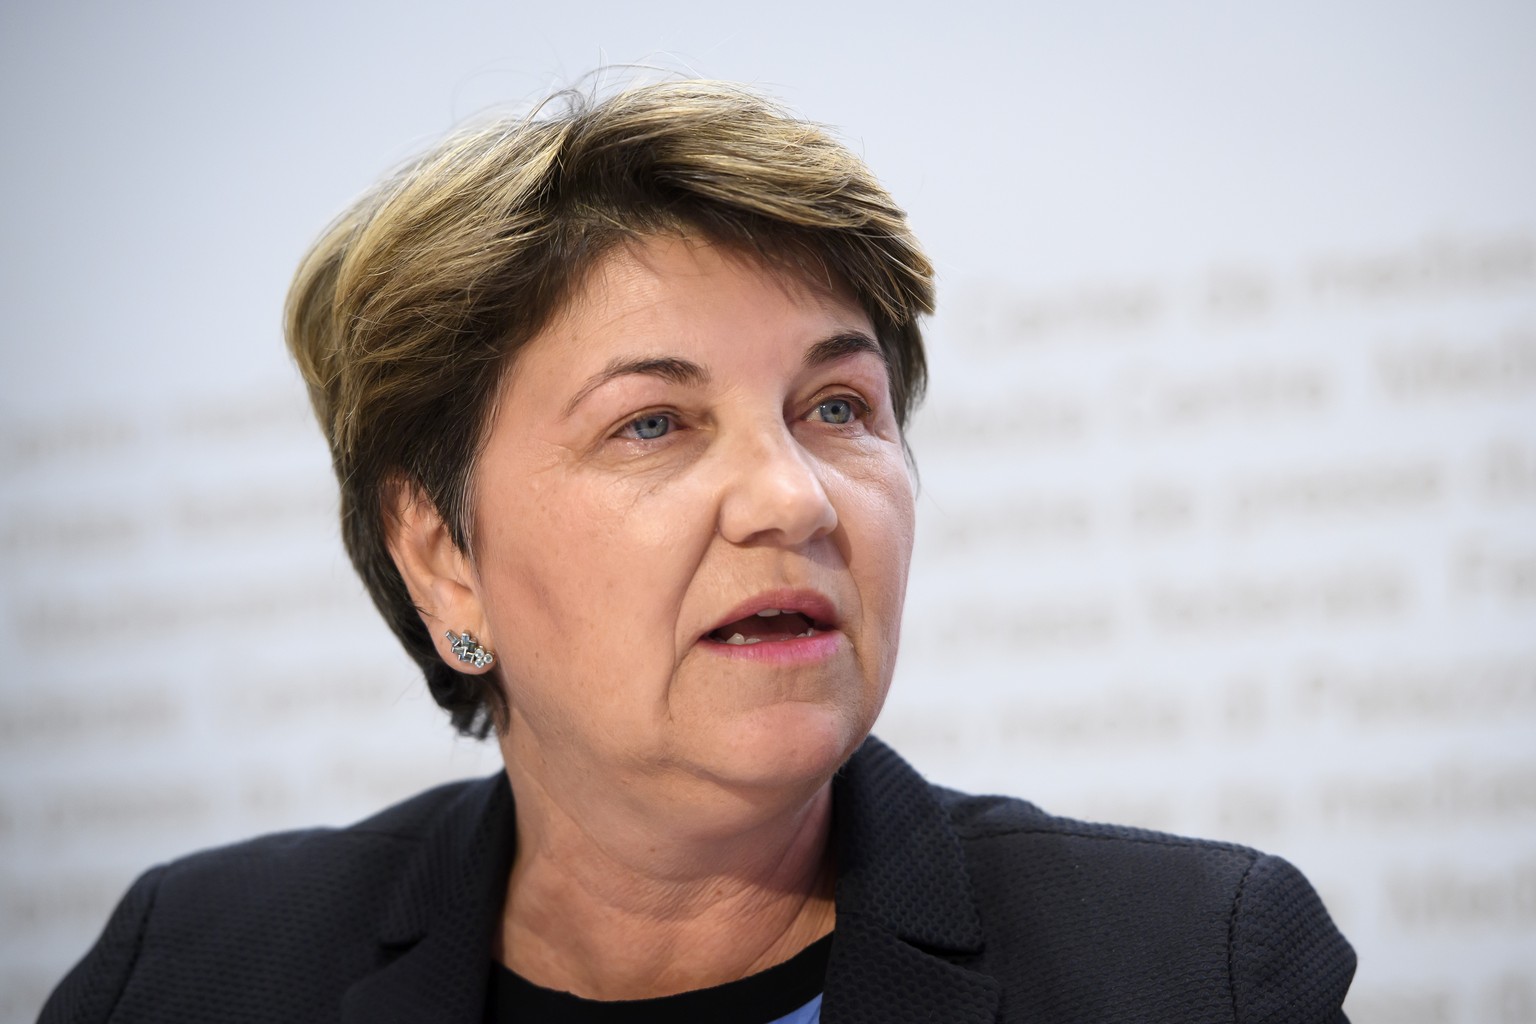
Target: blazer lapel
{"points": [[906, 918], [438, 926]]}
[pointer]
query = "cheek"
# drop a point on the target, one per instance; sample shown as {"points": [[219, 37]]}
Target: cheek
{"points": [[578, 569], [880, 521]]}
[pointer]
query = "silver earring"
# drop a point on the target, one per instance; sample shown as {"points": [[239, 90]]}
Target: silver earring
{"points": [[467, 648]]}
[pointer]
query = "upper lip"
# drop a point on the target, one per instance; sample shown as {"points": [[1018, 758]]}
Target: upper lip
{"points": [[813, 604]]}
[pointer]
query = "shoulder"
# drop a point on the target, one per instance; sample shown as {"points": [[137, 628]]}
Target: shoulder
{"points": [[997, 830], [318, 863], [1071, 920], [281, 918], [1035, 868], [1239, 923]]}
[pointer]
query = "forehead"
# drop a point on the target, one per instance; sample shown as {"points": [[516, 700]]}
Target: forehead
{"points": [[687, 292]]}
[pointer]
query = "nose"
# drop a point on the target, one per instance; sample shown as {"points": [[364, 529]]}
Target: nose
{"points": [[773, 492]]}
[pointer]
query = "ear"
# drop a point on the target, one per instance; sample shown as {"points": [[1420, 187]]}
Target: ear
{"points": [[439, 577]]}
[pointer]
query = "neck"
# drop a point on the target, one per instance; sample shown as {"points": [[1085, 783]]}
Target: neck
{"points": [[612, 902]]}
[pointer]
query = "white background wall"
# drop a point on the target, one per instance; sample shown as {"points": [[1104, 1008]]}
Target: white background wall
{"points": [[1228, 522]]}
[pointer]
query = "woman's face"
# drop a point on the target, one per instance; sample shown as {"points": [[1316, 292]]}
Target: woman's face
{"points": [[696, 439]]}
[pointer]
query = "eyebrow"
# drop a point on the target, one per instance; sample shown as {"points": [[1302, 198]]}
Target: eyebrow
{"points": [[684, 371], [846, 343], [668, 368]]}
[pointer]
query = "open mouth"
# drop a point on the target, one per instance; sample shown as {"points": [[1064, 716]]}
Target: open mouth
{"points": [[769, 625]]}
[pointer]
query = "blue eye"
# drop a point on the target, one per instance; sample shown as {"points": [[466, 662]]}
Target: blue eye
{"points": [[649, 427], [837, 410]]}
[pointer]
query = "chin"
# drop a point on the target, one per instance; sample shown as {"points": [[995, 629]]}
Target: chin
{"points": [[794, 744]]}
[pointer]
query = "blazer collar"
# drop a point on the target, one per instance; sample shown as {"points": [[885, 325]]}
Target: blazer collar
{"points": [[438, 924], [906, 916]]}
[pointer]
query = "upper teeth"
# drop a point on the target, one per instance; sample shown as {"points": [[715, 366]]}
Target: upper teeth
{"points": [[769, 613]]}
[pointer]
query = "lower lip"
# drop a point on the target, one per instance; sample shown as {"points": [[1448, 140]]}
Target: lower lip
{"points": [[808, 650]]}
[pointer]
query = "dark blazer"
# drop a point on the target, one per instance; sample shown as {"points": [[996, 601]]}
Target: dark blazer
{"points": [[950, 908]]}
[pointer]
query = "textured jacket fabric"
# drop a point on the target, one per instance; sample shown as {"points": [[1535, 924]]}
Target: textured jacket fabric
{"points": [[950, 908]]}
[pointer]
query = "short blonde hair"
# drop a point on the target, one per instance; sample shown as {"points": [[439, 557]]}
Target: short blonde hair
{"points": [[410, 307]]}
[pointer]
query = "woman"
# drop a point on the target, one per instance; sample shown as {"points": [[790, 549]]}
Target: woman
{"points": [[616, 397]]}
